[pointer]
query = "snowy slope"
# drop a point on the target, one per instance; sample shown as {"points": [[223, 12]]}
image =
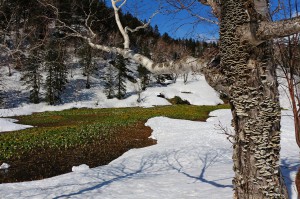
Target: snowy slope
{"points": [[196, 91]]}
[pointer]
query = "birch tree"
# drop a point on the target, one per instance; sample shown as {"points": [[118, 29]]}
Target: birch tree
{"points": [[246, 33]]}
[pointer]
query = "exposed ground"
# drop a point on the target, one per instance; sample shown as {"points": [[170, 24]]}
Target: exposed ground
{"points": [[43, 163]]}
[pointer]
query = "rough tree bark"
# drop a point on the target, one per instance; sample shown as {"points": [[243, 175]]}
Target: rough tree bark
{"points": [[247, 59], [248, 62]]}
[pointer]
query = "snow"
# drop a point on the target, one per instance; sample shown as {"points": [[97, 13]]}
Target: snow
{"points": [[191, 159], [196, 91], [289, 152], [7, 124], [82, 167], [283, 91], [4, 166]]}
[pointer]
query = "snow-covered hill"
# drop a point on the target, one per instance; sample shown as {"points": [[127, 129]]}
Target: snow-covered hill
{"points": [[191, 159]]}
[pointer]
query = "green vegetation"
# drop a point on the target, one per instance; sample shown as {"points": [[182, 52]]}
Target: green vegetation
{"points": [[81, 127]]}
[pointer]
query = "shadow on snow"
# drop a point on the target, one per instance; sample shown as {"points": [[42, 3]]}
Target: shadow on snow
{"points": [[155, 164]]}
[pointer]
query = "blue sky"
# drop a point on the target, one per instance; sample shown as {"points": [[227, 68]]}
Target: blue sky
{"points": [[285, 14], [181, 24], [176, 24]]}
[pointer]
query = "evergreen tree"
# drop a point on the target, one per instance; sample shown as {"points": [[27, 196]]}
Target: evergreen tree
{"points": [[33, 77], [57, 72], [121, 77], [145, 49], [144, 76], [156, 31], [109, 84]]}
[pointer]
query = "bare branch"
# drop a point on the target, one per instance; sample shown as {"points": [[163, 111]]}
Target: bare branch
{"points": [[215, 6], [44, 3], [188, 6], [120, 26], [145, 25], [224, 130], [62, 24], [169, 67], [88, 16], [277, 29], [122, 4], [179, 66]]}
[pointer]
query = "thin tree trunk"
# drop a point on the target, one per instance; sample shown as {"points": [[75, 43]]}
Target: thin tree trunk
{"points": [[295, 108], [255, 106]]}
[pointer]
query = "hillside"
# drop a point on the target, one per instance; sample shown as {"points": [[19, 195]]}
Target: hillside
{"points": [[38, 53]]}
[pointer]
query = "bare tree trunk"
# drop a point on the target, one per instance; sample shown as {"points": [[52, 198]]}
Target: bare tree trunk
{"points": [[9, 70], [291, 89], [297, 182], [185, 77], [254, 103]]}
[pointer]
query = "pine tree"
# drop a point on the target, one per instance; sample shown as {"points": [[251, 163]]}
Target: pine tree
{"points": [[156, 31], [109, 84], [121, 77], [33, 77], [144, 76], [57, 72]]}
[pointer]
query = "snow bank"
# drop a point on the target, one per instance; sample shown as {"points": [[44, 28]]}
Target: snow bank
{"points": [[4, 166], [79, 168], [7, 124], [196, 91]]}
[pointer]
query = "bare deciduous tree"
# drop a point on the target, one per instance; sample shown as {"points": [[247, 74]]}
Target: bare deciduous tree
{"points": [[287, 56], [17, 30]]}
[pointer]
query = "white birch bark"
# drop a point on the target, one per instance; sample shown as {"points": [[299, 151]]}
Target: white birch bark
{"points": [[179, 66]]}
